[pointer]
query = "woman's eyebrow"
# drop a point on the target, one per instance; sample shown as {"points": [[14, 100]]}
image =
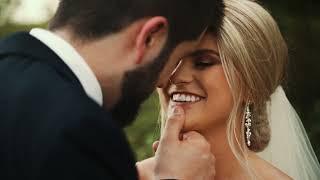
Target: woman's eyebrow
{"points": [[201, 52]]}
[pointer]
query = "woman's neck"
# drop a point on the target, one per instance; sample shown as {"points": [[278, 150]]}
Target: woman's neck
{"points": [[227, 166]]}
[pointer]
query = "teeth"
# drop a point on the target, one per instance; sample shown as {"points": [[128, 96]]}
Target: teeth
{"points": [[185, 98], [175, 96]]}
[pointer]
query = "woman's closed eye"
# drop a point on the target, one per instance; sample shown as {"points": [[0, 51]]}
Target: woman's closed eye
{"points": [[203, 62]]}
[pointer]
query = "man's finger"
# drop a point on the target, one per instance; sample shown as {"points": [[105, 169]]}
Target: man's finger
{"points": [[155, 146], [174, 123], [191, 134]]}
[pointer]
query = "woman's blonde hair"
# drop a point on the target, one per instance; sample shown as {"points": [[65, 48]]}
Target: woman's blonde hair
{"points": [[254, 56]]}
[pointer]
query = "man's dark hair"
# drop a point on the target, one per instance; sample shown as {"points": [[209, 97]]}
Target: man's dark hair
{"points": [[92, 19]]}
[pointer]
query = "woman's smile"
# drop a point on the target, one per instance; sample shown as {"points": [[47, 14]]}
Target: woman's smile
{"points": [[185, 99]]}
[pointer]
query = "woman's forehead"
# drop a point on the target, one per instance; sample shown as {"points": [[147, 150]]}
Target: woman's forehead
{"points": [[207, 41]]}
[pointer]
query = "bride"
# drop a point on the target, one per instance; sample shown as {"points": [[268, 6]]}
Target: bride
{"points": [[230, 90]]}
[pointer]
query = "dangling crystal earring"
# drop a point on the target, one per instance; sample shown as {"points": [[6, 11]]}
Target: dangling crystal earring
{"points": [[247, 124]]}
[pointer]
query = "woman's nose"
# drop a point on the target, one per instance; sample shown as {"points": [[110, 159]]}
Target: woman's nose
{"points": [[182, 73]]}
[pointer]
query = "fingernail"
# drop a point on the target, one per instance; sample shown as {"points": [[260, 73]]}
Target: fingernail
{"points": [[184, 136], [174, 111], [177, 110]]}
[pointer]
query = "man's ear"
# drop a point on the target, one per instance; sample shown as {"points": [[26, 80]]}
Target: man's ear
{"points": [[151, 39]]}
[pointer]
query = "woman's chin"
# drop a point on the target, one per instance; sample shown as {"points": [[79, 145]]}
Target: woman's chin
{"points": [[190, 125], [199, 124]]}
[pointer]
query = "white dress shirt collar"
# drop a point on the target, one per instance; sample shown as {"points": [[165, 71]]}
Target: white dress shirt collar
{"points": [[73, 60]]}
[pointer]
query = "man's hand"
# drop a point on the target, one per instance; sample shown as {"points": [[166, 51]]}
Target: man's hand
{"points": [[146, 169], [186, 158]]}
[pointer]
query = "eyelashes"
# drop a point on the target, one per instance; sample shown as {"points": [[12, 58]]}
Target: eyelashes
{"points": [[203, 62]]}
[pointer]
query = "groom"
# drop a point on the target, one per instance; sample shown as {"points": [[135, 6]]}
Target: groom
{"points": [[66, 92]]}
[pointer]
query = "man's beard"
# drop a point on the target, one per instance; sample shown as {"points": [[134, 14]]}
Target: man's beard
{"points": [[137, 86]]}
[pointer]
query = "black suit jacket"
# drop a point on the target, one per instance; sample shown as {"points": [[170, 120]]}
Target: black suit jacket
{"points": [[49, 127]]}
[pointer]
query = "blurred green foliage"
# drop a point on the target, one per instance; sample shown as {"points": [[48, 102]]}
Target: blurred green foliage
{"points": [[146, 129], [299, 22]]}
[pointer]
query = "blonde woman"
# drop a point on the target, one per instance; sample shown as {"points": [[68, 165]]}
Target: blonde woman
{"points": [[230, 90]]}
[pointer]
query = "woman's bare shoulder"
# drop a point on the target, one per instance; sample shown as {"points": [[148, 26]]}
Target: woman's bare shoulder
{"points": [[267, 170]]}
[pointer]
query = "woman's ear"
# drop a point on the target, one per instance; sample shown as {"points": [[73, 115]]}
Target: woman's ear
{"points": [[151, 39]]}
